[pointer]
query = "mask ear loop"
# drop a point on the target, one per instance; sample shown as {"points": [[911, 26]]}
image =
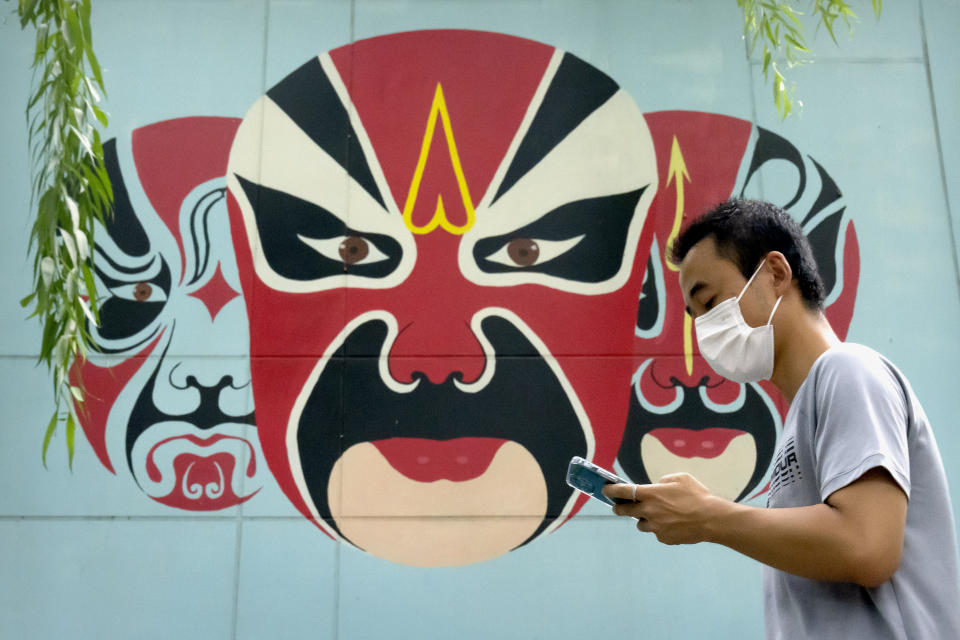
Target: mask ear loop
{"points": [[744, 290], [777, 304]]}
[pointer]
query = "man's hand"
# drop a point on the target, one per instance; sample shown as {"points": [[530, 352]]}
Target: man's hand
{"points": [[678, 509], [855, 536]]}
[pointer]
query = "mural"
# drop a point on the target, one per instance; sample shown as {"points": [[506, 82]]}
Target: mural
{"points": [[451, 247]]}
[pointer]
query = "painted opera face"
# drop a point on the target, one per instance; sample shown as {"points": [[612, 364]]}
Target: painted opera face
{"points": [[437, 239], [683, 416], [169, 397]]}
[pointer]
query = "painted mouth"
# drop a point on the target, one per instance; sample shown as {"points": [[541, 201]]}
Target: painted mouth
{"points": [[690, 443], [199, 474], [726, 469], [427, 460]]}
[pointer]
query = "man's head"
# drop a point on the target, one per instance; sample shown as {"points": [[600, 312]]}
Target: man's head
{"points": [[743, 232]]}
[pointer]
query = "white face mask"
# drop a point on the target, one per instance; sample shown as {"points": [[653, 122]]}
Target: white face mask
{"points": [[733, 348]]}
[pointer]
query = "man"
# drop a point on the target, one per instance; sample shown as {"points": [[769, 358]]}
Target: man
{"points": [[859, 542]]}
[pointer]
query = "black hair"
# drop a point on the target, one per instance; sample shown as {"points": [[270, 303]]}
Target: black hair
{"points": [[745, 231]]}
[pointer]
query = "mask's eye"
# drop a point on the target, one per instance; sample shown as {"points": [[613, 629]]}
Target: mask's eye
{"points": [[523, 251], [526, 252], [350, 250], [139, 292]]}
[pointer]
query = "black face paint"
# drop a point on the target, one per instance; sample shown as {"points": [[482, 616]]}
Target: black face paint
{"points": [[123, 227], [321, 115], [523, 402], [124, 318], [603, 222], [576, 90], [281, 218], [207, 415], [648, 308]]}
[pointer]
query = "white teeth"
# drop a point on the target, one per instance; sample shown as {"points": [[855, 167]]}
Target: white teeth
{"points": [[726, 475]]}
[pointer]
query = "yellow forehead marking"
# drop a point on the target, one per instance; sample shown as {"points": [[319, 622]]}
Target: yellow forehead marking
{"points": [[439, 219], [676, 174], [688, 342]]}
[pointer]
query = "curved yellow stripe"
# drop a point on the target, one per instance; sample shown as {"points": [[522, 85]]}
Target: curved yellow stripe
{"points": [[688, 342], [676, 173]]}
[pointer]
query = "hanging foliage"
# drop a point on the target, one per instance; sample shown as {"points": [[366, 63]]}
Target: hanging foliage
{"points": [[70, 191], [778, 26]]}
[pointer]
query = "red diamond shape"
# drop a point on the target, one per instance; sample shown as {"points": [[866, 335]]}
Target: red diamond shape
{"points": [[215, 294]]}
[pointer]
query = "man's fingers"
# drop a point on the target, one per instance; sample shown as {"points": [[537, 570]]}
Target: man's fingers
{"points": [[673, 477], [634, 492], [681, 478], [624, 491], [631, 509], [645, 491]]}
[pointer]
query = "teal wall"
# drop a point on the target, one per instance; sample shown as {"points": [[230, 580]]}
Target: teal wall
{"points": [[84, 554]]}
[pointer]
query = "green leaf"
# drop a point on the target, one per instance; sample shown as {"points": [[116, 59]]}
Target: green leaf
{"points": [[97, 146], [777, 87], [95, 67], [71, 429], [51, 429], [50, 336], [85, 20], [39, 93], [91, 291], [795, 18], [828, 24], [770, 37], [796, 44], [27, 11], [68, 35], [73, 23]]}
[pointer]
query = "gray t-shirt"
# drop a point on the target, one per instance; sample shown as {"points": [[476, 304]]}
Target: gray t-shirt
{"points": [[854, 412]]}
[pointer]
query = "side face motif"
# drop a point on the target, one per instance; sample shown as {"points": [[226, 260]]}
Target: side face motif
{"points": [[169, 397]]}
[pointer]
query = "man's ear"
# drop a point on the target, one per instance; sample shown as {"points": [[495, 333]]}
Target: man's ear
{"points": [[781, 272]]}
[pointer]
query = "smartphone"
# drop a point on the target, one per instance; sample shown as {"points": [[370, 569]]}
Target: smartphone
{"points": [[587, 477]]}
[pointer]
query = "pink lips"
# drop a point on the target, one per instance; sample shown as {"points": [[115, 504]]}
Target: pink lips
{"points": [[690, 443], [425, 460]]}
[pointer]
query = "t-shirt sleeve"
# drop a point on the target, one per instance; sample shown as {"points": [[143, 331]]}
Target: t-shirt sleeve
{"points": [[861, 422]]}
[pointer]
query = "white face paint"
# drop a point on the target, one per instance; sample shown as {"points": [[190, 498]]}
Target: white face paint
{"points": [[183, 420]]}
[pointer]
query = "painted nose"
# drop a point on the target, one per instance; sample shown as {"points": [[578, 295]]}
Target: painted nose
{"points": [[668, 373], [437, 347], [434, 311], [209, 390]]}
